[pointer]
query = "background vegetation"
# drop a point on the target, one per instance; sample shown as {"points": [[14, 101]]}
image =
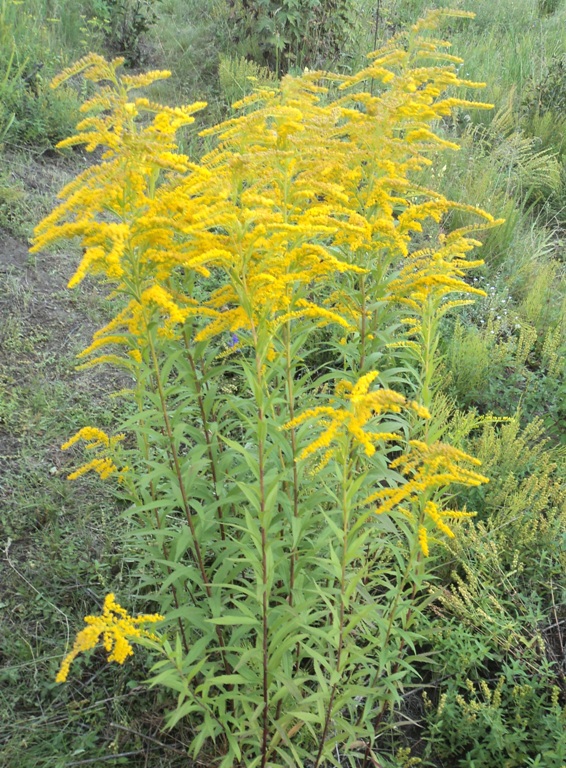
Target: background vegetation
{"points": [[490, 689]]}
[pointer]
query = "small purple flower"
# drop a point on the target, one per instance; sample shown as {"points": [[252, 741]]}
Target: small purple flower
{"points": [[233, 340]]}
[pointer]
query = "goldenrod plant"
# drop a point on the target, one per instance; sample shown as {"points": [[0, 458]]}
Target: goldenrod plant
{"points": [[285, 517]]}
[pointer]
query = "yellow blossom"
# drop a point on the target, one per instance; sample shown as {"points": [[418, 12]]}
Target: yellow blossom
{"points": [[116, 628], [300, 188], [97, 440], [94, 437], [362, 406], [427, 469], [423, 540]]}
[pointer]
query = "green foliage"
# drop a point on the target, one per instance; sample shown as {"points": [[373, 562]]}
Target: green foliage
{"points": [[124, 23], [10, 194], [523, 506], [333, 548], [544, 103], [293, 33], [499, 694], [508, 354], [239, 77], [30, 112], [516, 722], [524, 170], [548, 7], [548, 94]]}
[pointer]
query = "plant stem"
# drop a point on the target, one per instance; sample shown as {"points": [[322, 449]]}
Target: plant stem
{"points": [[429, 339], [206, 436], [342, 606], [265, 628], [184, 496], [164, 549], [364, 321], [293, 436], [377, 10]]}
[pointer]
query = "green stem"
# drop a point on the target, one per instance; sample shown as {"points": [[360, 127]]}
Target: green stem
{"points": [[293, 436], [207, 437], [164, 548], [429, 339], [342, 600], [184, 496], [364, 322], [265, 628]]}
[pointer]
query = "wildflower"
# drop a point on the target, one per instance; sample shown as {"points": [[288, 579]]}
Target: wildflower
{"points": [[116, 627], [94, 437], [99, 441], [362, 407], [428, 468]]}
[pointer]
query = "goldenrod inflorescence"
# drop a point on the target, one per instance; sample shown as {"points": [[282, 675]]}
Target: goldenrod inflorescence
{"points": [[427, 469], [362, 407], [116, 627], [99, 441], [303, 186]]}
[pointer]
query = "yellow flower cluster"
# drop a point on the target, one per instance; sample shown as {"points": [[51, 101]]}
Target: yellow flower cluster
{"points": [[427, 468], [302, 186], [436, 273], [362, 407], [116, 627], [97, 440]]}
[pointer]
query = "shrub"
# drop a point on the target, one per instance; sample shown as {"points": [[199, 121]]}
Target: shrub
{"points": [[123, 23], [294, 33]]}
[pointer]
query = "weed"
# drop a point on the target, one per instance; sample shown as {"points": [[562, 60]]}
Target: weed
{"points": [[66, 538]]}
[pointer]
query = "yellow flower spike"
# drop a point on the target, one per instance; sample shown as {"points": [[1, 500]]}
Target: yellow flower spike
{"points": [[103, 467], [436, 516], [362, 407], [116, 627], [423, 540], [91, 435], [161, 298], [420, 410], [428, 468], [96, 439]]}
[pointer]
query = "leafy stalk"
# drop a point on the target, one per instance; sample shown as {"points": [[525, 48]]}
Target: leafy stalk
{"points": [[184, 495], [346, 512], [206, 431]]}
